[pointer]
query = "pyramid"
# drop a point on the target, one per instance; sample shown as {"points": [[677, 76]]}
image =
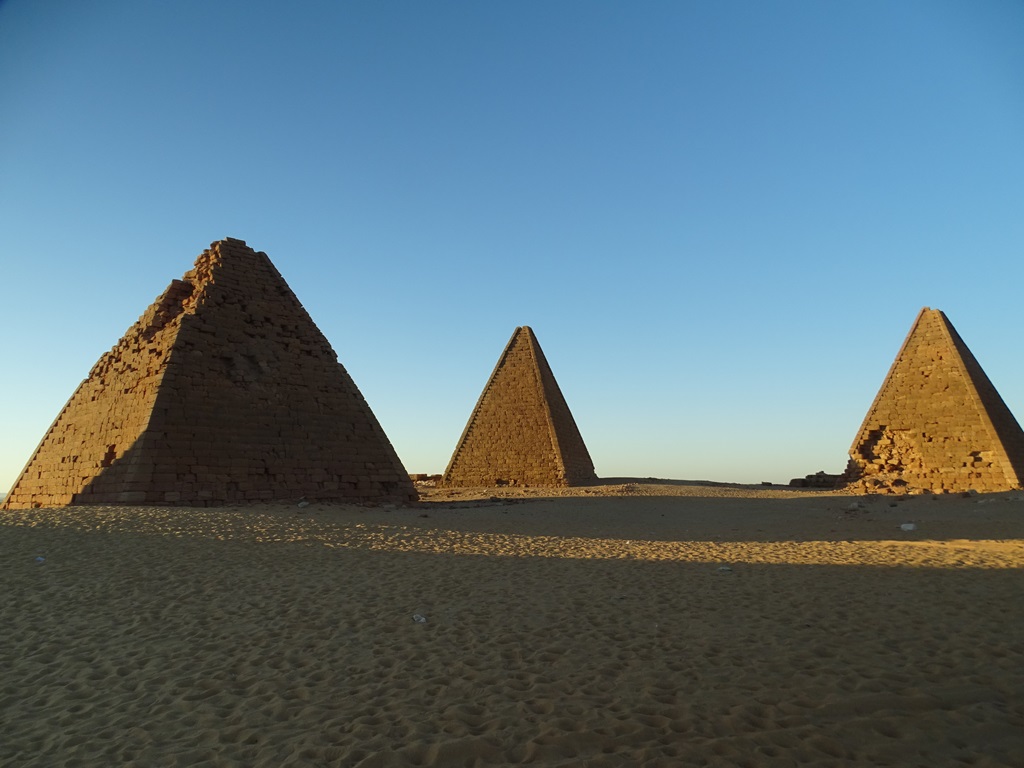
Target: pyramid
{"points": [[937, 423], [521, 431], [224, 391]]}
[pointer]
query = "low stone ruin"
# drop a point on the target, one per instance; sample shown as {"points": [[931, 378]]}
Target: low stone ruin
{"points": [[817, 480]]}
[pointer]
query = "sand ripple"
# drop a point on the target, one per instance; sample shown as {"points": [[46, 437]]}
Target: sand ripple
{"points": [[287, 526]]}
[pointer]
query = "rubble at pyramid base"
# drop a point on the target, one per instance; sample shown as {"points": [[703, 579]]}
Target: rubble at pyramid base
{"points": [[875, 479]]}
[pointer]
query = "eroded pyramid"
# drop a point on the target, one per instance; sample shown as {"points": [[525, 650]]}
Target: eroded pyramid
{"points": [[224, 391], [521, 431], [937, 423]]}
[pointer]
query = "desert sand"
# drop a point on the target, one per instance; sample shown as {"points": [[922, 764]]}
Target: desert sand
{"points": [[630, 623]]}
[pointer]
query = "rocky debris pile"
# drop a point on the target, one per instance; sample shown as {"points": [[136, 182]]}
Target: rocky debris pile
{"points": [[892, 483], [423, 480]]}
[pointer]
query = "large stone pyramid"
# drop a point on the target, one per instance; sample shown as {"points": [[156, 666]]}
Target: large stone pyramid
{"points": [[521, 431], [937, 423], [224, 391]]}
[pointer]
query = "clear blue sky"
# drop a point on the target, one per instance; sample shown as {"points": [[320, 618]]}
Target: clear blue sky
{"points": [[720, 218]]}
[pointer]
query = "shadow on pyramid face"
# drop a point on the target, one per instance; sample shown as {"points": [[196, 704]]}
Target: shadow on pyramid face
{"points": [[224, 391]]}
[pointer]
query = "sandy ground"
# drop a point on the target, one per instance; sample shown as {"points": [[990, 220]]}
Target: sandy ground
{"points": [[633, 623]]}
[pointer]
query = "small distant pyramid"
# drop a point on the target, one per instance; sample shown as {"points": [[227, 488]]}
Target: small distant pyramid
{"points": [[521, 431], [937, 423], [224, 391]]}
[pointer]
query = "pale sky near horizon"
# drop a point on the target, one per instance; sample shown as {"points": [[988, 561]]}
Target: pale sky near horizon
{"points": [[720, 218]]}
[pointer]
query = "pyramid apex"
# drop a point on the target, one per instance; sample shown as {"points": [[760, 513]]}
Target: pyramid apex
{"points": [[229, 244]]}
